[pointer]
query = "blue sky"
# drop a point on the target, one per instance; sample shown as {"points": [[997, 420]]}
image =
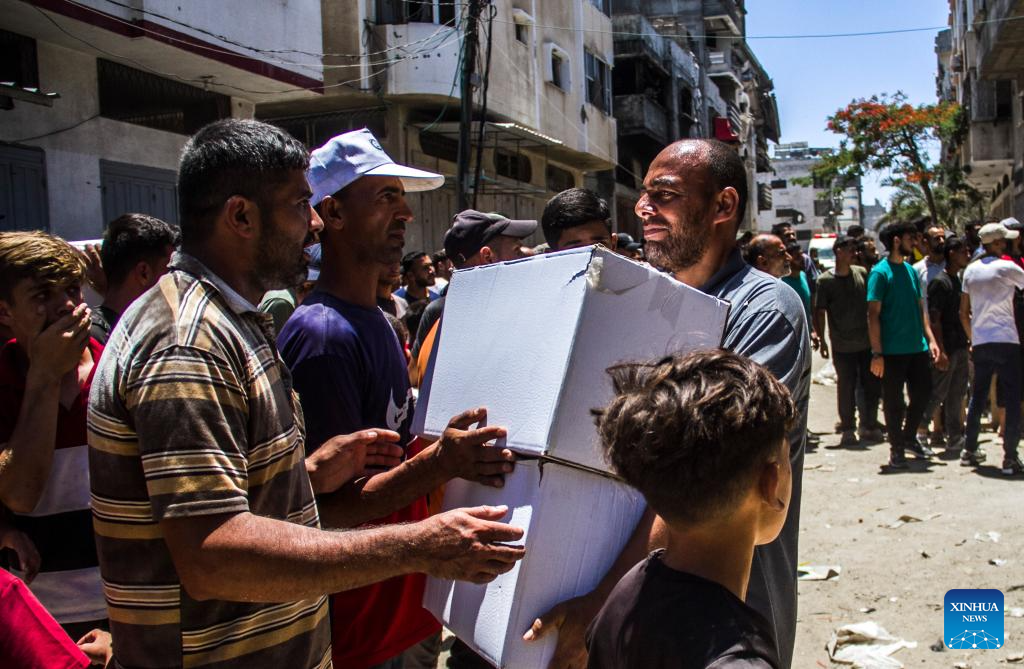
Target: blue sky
{"points": [[815, 77]]}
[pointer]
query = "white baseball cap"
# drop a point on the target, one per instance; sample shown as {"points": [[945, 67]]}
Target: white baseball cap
{"points": [[990, 232], [356, 154]]}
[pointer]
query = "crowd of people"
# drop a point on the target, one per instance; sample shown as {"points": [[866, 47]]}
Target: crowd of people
{"points": [[937, 321], [214, 467]]}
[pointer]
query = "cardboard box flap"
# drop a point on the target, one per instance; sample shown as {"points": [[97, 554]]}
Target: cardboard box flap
{"points": [[519, 342]]}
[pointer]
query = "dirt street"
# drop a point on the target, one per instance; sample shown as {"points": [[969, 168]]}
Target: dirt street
{"points": [[898, 576]]}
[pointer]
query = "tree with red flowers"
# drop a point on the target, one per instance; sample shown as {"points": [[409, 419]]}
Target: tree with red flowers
{"points": [[888, 134]]}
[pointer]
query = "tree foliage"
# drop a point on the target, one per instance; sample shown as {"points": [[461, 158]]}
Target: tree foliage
{"points": [[888, 134]]}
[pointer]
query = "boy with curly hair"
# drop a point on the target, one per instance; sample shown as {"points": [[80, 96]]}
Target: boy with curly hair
{"points": [[703, 437]]}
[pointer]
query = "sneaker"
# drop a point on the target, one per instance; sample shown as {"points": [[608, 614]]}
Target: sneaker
{"points": [[1012, 466], [897, 459], [956, 444], [849, 438], [971, 458], [937, 440], [871, 435], [920, 450]]}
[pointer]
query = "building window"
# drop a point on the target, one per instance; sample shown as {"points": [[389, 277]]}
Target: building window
{"points": [[522, 22], [599, 76], [513, 165], [822, 208], [556, 66], [559, 179], [820, 182], [396, 12], [141, 98], [605, 6], [778, 184], [439, 146], [18, 60]]}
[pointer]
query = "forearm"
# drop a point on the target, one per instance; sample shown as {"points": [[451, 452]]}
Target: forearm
{"points": [[875, 332], [936, 325], [819, 322], [248, 558], [371, 498], [26, 458], [928, 334]]}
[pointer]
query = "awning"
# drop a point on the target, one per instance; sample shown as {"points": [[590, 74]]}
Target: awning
{"points": [[502, 135]]}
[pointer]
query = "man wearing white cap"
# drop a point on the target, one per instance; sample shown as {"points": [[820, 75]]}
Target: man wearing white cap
{"points": [[349, 369], [986, 310]]}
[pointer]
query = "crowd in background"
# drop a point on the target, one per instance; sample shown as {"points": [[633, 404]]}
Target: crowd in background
{"points": [[169, 457]]}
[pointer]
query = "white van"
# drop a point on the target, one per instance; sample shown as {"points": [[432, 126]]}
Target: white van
{"points": [[821, 244]]}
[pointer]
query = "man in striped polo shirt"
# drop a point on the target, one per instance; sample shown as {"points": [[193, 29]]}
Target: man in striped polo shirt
{"points": [[45, 375], [206, 525]]}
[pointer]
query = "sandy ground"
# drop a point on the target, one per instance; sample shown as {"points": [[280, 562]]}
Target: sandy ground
{"points": [[897, 577]]}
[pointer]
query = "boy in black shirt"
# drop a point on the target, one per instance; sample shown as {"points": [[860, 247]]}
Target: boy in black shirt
{"points": [[703, 437]]}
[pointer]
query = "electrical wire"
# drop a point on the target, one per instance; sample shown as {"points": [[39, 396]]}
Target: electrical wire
{"points": [[55, 132], [204, 83], [275, 61], [227, 40], [477, 173]]}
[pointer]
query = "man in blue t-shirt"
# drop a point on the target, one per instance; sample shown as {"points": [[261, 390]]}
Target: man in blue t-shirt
{"points": [[350, 373], [902, 346]]}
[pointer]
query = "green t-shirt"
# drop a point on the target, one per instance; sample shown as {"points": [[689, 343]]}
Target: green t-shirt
{"points": [[844, 299], [802, 288], [898, 288]]}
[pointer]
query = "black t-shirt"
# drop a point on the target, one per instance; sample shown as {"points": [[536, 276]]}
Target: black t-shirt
{"points": [[944, 297], [660, 618], [103, 321]]}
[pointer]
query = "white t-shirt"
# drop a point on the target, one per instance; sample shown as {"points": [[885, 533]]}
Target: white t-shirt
{"points": [[990, 283], [926, 271]]}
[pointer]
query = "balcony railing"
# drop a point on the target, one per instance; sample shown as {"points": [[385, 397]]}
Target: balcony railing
{"points": [[640, 115], [724, 16]]}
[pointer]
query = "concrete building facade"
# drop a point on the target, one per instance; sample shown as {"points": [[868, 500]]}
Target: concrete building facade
{"points": [[100, 96], [981, 66], [548, 120], [684, 69], [802, 205]]}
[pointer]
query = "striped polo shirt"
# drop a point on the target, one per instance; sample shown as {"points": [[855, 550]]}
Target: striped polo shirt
{"points": [[68, 583], [192, 413]]}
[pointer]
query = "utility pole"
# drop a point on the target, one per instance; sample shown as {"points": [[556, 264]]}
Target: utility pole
{"points": [[466, 110]]}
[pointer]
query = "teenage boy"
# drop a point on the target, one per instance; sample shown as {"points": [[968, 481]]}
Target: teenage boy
{"points": [[577, 217], [46, 372], [135, 252], [902, 346], [842, 297], [703, 437], [949, 378]]}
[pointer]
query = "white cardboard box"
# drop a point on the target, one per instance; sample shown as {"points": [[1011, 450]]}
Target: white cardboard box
{"points": [[531, 340], [576, 523]]}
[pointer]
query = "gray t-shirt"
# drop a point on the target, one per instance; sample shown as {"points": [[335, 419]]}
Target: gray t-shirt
{"points": [[845, 300], [767, 324]]}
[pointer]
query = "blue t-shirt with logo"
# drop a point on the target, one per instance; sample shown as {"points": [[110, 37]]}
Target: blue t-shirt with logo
{"points": [[898, 288], [348, 368]]}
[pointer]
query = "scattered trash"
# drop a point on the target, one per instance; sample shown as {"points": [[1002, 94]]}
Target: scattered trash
{"points": [[826, 376], [925, 554], [988, 536], [1013, 588], [866, 645], [818, 572], [961, 542], [868, 609], [961, 665], [905, 518], [894, 599], [1015, 657], [1016, 612], [938, 647], [996, 562], [816, 465]]}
